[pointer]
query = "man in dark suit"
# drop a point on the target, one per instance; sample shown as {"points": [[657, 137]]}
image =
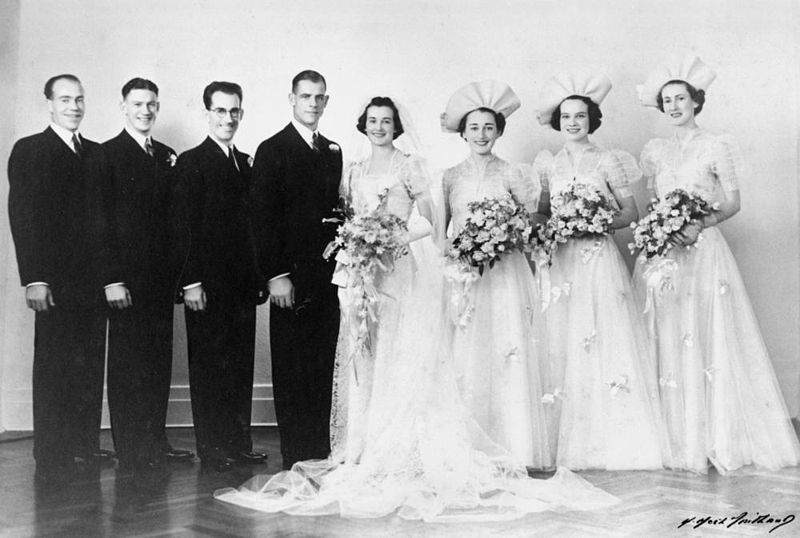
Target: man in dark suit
{"points": [[140, 283], [220, 284], [53, 176], [296, 176]]}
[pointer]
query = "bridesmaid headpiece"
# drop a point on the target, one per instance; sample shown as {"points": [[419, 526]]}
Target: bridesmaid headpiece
{"points": [[558, 88], [491, 94], [691, 69]]}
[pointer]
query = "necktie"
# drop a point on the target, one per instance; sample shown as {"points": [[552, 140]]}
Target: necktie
{"points": [[148, 146], [315, 141], [76, 145], [232, 158]]}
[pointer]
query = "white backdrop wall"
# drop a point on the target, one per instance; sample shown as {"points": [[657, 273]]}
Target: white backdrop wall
{"points": [[419, 51]]}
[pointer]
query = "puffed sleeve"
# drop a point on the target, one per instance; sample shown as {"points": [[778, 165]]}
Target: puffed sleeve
{"points": [[543, 168], [521, 186], [647, 162], [727, 162], [414, 175], [620, 171]]}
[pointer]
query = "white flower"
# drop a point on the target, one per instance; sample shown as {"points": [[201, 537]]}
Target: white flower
{"points": [[334, 147]]}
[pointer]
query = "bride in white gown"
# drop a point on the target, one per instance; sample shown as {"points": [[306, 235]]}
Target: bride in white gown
{"points": [[401, 438]]}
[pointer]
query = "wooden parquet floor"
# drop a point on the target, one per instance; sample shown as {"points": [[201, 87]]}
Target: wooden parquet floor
{"points": [[179, 504]]}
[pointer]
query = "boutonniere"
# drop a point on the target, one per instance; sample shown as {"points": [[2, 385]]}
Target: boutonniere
{"points": [[250, 162], [334, 147], [172, 159]]}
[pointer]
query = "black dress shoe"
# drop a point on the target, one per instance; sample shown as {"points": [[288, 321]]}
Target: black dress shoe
{"points": [[178, 454], [216, 465], [248, 457]]}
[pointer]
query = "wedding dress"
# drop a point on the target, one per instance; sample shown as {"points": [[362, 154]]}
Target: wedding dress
{"points": [[603, 408], [402, 441], [721, 400], [498, 353]]}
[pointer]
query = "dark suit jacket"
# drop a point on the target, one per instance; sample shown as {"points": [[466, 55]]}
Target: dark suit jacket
{"points": [[50, 206], [212, 205], [294, 189], [138, 223]]}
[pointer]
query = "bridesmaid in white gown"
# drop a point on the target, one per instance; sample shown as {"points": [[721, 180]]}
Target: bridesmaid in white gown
{"points": [[718, 390], [602, 407], [497, 352], [401, 439]]}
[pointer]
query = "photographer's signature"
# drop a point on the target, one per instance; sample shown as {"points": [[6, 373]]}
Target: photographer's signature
{"points": [[743, 518]]}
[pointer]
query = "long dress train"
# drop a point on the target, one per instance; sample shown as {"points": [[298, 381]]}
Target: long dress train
{"points": [[402, 440]]}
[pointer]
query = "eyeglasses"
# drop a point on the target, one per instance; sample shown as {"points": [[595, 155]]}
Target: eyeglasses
{"points": [[235, 113]]}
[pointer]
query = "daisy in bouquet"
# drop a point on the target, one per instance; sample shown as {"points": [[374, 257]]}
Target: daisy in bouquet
{"points": [[494, 227], [580, 211], [655, 233], [366, 247]]}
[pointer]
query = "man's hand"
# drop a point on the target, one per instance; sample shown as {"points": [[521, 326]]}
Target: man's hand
{"points": [[281, 292], [118, 296], [195, 298], [39, 298]]}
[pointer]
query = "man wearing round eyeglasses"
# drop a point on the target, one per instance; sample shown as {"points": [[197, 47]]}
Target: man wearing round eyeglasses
{"points": [[220, 283]]}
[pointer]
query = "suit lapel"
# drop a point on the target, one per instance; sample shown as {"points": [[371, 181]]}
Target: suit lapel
{"points": [[60, 149]]}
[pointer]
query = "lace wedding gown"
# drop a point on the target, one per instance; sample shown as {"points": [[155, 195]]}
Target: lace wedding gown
{"points": [[602, 396], [401, 440], [721, 400], [497, 353]]}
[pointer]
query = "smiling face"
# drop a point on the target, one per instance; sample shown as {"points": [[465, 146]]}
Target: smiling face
{"points": [[140, 108], [308, 102], [574, 120], [224, 116], [379, 125], [480, 132], [66, 104], [678, 104]]}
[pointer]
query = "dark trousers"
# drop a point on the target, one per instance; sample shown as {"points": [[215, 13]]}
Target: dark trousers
{"points": [[221, 356], [139, 375], [303, 345], [68, 363]]}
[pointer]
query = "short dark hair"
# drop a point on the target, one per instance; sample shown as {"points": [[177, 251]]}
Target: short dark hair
{"points": [[499, 120], [593, 109], [361, 125], [48, 86], [308, 74], [138, 83], [231, 88], [698, 96]]}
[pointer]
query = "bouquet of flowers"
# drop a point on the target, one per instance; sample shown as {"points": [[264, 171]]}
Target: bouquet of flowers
{"points": [[666, 217], [580, 211], [366, 247], [495, 226]]}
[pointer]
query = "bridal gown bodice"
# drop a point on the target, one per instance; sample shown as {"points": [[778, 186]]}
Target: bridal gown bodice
{"points": [[701, 163], [404, 180], [473, 180]]}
